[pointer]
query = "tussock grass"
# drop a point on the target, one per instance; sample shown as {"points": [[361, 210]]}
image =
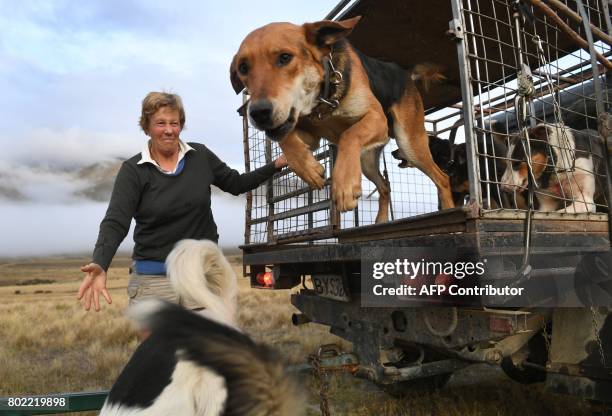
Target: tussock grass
{"points": [[48, 344], [490, 394]]}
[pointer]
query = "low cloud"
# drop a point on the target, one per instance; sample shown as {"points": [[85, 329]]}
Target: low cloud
{"points": [[68, 148], [55, 228]]}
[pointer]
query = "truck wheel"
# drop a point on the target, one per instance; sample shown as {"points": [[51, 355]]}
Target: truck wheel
{"points": [[537, 355], [405, 388]]}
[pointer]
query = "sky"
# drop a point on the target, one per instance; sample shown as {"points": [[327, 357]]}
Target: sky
{"points": [[73, 75]]}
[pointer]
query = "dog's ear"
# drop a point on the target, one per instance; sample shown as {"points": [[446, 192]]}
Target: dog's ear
{"points": [[539, 132], [236, 83], [498, 132], [327, 32]]}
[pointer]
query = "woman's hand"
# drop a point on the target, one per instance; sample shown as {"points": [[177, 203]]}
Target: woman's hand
{"points": [[281, 162], [93, 284]]}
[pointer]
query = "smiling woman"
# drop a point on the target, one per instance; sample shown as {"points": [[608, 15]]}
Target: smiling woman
{"points": [[163, 119], [166, 189]]}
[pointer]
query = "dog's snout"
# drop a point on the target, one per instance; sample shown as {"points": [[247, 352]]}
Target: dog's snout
{"points": [[261, 113]]}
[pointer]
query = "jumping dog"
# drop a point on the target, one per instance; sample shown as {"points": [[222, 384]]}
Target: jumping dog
{"points": [[307, 82]]}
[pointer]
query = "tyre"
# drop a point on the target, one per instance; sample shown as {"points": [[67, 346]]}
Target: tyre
{"points": [[538, 355]]}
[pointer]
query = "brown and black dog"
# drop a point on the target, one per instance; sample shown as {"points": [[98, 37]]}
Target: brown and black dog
{"points": [[363, 101]]}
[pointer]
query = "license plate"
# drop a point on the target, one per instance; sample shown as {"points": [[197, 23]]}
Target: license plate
{"points": [[330, 286]]}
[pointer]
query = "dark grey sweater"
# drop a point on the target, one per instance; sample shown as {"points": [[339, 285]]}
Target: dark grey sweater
{"points": [[168, 208]]}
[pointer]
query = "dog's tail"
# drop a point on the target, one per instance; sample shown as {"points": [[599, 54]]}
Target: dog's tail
{"points": [[426, 73], [201, 276], [255, 376]]}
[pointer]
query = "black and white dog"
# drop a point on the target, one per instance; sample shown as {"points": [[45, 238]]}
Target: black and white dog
{"points": [[200, 364], [565, 165]]}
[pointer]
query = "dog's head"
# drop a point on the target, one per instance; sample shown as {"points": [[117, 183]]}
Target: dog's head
{"points": [[458, 172], [280, 64], [439, 148], [517, 171]]}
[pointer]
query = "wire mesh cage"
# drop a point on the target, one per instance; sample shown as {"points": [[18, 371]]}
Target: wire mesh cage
{"points": [[286, 209], [522, 75], [534, 102], [285, 206]]}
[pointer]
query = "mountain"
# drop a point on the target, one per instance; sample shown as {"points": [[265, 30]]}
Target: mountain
{"points": [[8, 188], [99, 179], [45, 183], [8, 192]]}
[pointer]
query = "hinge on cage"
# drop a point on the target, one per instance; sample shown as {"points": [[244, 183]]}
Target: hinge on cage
{"points": [[455, 29]]}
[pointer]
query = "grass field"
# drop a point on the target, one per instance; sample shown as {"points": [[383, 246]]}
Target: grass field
{"points": [[48, 344]]}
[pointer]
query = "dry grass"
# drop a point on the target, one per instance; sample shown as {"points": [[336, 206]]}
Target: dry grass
{"points": [[52, 345], [49, 344]]}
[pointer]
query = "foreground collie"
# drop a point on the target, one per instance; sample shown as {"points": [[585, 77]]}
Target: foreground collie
{"points": [[200, 363]]}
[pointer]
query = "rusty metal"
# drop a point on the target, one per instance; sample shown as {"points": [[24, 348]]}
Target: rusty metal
{"points": [[330, 358]]}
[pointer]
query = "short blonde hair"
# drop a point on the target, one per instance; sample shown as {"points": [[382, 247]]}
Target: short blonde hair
{"points": [[156, 100]]}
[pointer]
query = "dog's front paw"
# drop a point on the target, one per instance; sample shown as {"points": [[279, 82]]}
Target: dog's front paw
{"points": [[346, 193], [315, 176], [312, 172], [308, 169], [346, 198]]}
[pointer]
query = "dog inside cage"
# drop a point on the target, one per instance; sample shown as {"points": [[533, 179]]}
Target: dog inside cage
{"points": [[567, 168]]}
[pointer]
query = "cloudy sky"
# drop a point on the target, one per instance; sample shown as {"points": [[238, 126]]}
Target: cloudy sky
{"points": [[73, 74]]}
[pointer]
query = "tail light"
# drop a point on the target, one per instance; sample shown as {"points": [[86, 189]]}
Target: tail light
{"points": [[275, 279], [265, 279]]}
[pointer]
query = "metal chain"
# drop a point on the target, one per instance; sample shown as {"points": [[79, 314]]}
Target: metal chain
{"points": [[329, 358], [596, 331], [546, 338], [322, 377]]}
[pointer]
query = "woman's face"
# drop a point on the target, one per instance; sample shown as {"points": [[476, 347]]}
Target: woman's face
{"points": [[164, 130]]}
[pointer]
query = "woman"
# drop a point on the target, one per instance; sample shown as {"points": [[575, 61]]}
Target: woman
{"points": [[166, 189]]}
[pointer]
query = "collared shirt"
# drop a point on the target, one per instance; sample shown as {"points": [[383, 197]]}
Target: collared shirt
{"points": [[146, 157]]}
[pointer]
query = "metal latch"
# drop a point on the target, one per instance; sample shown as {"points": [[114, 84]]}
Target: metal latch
{"points": [[455, 29]]}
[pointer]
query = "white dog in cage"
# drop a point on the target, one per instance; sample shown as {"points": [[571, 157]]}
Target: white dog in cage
{"points": [[566, 165]]}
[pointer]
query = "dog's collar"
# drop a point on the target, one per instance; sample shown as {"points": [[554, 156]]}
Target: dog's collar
{"points": [[332, 88]]}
